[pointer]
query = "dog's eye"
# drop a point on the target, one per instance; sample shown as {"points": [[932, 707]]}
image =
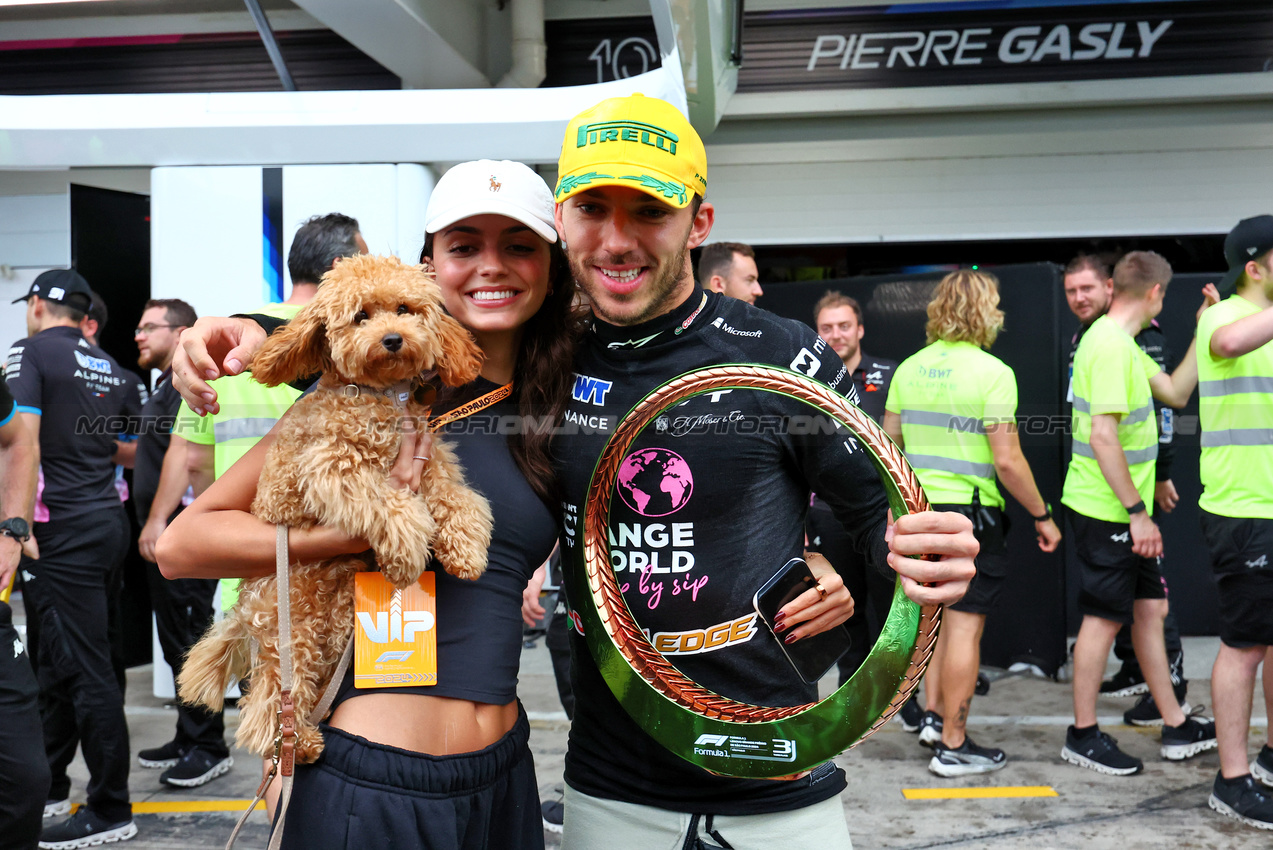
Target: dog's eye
{"points": [[360, 317], [402, 308]]}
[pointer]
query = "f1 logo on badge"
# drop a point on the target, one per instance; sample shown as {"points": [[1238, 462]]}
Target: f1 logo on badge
{"points": [[395, 655]]}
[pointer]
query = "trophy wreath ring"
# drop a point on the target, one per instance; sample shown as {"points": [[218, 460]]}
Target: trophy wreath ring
{"points": [[719, 734]]}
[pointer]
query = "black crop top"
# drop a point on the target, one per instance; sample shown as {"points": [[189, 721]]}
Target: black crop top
{"points": [[479, 624]]}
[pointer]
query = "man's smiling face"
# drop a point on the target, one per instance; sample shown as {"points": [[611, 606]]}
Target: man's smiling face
{"points": [[630, 251]]}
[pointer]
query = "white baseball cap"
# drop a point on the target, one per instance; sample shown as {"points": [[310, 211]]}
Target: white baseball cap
{"points": [[487, 186]]}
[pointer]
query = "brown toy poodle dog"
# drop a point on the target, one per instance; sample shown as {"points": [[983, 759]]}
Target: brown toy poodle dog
{"points": [[375, 326]]}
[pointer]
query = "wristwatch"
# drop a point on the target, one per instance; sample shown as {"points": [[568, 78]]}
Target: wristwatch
{"points": [[17, 528], [1137, 508], [1047, 514]]}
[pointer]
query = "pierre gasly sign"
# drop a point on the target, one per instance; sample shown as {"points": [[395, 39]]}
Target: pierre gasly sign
{"points": [[1006, 41]]}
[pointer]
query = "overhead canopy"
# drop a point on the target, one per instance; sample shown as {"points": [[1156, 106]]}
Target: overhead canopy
{"points": [[264, 128]]}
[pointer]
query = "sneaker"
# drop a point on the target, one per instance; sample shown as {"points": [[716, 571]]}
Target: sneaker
{"points": [[930, 729], [161, 757], [1195, 735], [1099, 752], [56, 808], [1127, 682], [911, 715], [1262, 767], [1145, 712], [553, 813], [966, 759], [196, 767], [1241, 799], [85, 829]]}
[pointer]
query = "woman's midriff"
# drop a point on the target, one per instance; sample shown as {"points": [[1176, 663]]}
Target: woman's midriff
{"points": [[438, 726]]}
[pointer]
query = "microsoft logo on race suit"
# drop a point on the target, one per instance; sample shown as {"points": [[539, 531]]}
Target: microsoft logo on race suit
{"points": [[590, 390]]}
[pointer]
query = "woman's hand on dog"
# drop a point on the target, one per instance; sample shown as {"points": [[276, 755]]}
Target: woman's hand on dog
{"points": [[213, 347], [413, 455]]}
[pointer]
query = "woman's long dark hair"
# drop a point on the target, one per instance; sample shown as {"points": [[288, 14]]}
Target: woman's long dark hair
{"points": [[543, 376]]}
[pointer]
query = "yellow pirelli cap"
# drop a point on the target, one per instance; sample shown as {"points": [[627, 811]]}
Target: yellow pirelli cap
{"points": [[636, 141]]}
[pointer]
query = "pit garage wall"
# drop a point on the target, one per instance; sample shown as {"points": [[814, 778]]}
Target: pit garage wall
{"points": [[220, 235], [987, 173]]}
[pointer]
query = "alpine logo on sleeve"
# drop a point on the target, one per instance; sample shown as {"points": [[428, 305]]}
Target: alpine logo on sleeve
{"points": [[806, 363]]}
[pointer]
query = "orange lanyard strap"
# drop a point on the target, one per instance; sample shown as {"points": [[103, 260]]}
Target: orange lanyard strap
{"points": [[472, 407]]}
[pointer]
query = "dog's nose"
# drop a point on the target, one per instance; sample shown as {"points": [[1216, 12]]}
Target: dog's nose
{"points": [[393, 342]]}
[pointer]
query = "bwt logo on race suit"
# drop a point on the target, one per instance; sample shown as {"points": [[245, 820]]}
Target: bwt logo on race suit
{"points": [[590, 390]]}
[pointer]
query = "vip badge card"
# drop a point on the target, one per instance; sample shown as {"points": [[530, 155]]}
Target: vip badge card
{"points": [[395, 638]]}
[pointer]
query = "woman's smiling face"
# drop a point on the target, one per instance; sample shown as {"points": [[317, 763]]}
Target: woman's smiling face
{"points": [[493, 271]]}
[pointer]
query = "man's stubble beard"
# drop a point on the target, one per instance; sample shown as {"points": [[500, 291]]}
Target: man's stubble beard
{"points": [[663, 286]]}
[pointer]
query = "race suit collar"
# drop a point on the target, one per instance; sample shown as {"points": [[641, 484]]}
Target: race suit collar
{"points": [[660, 329]]}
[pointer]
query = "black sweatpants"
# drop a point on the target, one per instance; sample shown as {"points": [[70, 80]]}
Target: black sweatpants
{"points": [[183, 610], [872, 592], [24, 770], [557, 639], [360, 794], [67, 589]]}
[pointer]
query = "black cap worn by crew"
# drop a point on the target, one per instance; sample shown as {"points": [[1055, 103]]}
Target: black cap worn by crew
{"points": [[1252, 238], [65, 286]]}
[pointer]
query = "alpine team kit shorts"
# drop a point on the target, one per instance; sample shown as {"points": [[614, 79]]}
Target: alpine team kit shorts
{"points": [[1114, 576], [1241, 549]]}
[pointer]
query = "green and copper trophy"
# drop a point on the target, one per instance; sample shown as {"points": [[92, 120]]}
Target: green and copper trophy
{"points": [[716, 733]]}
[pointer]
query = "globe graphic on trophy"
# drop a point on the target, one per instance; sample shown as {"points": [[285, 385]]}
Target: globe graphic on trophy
{"points": [[655, 482]]}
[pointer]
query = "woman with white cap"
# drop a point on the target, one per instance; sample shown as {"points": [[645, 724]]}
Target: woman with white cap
{"points": [[443, 766]]}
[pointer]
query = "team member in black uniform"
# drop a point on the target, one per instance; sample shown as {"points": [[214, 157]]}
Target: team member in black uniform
{"points": [[24, 770], [445, 766], [183, 608], [1089, 288], [838, 320], [73, 397], [91, 327]]}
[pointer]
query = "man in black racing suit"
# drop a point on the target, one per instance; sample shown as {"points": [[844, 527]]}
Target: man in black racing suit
{"points": [[710, 499]]}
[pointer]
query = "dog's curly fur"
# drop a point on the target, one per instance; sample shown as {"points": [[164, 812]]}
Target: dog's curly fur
{"points": [[330, 466]]}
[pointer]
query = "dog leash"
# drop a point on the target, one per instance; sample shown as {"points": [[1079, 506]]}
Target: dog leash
{"points": [[283, 760]]}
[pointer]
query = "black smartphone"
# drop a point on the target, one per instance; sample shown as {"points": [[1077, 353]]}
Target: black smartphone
{"points": [[812, 656]]}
